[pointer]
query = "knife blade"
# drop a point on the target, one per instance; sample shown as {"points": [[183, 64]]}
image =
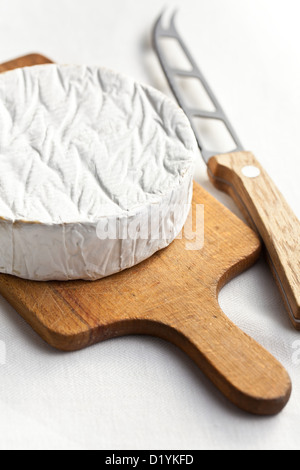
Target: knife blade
{"points": [[239, 174]]}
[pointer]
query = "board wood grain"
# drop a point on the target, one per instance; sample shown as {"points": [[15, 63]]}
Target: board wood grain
{"points": [[24, 61], [174, 296]]}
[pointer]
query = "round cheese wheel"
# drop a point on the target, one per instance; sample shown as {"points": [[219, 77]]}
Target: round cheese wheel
{"points": [[96, 172]]}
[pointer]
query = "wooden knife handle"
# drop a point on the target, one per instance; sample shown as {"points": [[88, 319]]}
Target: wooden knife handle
{"points": [[243, 178]]}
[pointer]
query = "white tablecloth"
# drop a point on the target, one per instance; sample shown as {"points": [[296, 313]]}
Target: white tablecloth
{"points": [[142, 393]]}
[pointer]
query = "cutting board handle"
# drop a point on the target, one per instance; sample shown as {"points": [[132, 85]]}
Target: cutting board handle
{"points": [[242, 370], [243, 178]]}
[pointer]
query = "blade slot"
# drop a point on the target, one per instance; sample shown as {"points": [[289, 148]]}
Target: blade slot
{"points": [[174, 54], [194, 93], [215, 135], [175, 72]]}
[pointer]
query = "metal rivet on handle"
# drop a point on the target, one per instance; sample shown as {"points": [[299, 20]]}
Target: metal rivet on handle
{"points": [[251, 171]]}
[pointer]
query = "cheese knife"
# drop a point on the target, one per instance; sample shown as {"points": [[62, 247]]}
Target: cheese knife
{"points": [[239, 174]]}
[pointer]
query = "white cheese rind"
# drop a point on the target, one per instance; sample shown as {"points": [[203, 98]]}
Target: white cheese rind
{"points": [[81, 147]]}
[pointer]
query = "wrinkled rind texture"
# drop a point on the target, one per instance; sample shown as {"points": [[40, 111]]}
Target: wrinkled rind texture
{"points": [[81, 146]]}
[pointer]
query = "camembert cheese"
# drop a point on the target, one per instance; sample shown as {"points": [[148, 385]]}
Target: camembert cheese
{"points": [[96, 172]]}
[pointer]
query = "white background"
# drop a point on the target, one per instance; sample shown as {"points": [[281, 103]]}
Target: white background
{"points": [[142, 393]]}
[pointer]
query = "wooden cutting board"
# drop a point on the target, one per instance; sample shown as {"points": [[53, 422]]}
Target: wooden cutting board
{"points": [[174, 296]]}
